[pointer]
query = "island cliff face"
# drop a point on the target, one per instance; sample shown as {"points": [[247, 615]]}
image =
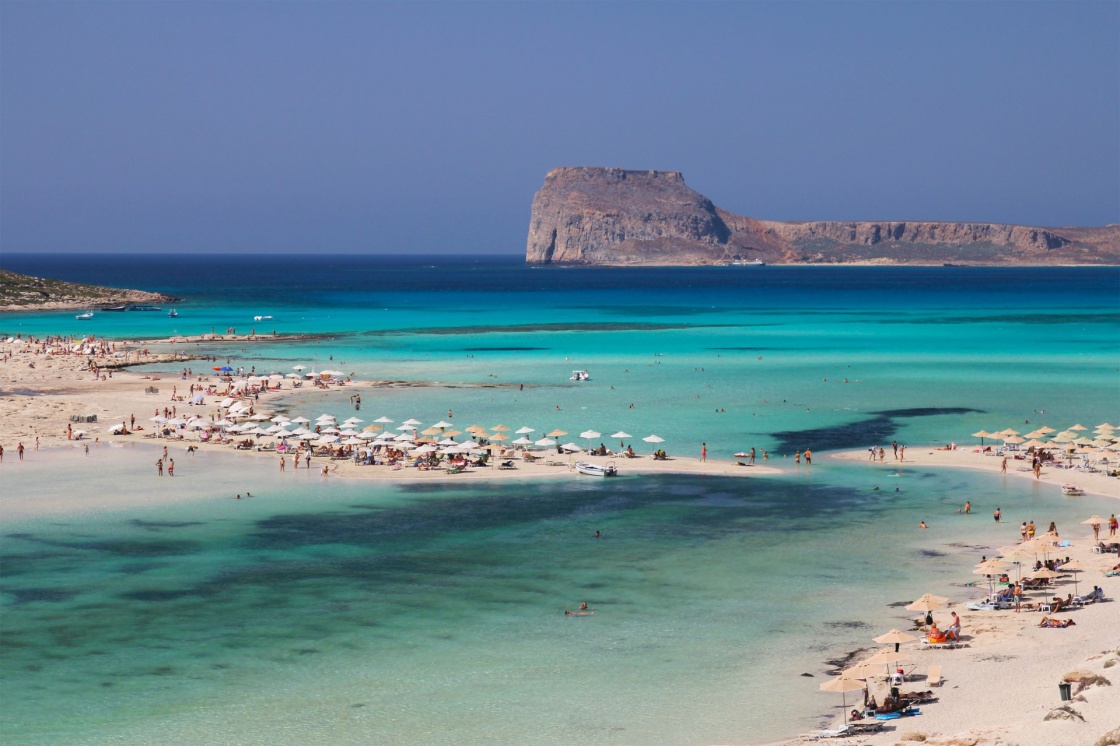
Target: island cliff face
{"points": [[611, 216]]}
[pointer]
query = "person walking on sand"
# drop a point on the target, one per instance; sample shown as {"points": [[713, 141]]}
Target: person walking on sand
{"points": [[703, 451], [1112, 525], [902, 453], [170, 467], [1003, 466], [1023, 531], [1017, 594], [882, 454], [894, 445], [281, 463], [751, 460], [1030, 530], [159, 467], [19, 450], [1096, 532]]}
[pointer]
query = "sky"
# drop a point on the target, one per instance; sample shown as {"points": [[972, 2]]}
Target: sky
{"points": [[427, 127]]}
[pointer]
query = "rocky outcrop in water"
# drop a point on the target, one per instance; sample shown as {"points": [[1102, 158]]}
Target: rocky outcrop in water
{"points": [[611, 216]]}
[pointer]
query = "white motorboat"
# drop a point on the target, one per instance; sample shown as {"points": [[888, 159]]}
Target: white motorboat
{"points": [[580, 375], [84, 316], [261, 318], [172, 313], [595, 470], [745, 263], [1072, 490]]}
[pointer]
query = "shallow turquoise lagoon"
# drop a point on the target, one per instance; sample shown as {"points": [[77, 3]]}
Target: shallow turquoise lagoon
{"points": [[352, 612]]}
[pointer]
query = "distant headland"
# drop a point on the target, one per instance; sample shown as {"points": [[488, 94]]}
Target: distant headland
{"points": [[616, 217], [22, 293]]}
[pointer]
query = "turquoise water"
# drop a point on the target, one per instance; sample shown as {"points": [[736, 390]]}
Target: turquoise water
{"points": [[350, 612]]}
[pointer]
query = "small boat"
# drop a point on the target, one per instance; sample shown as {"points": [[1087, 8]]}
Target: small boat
{"points": [[595, 470], [745, 263], [84, 316], [115, 308], [172, 313], [261, 318], [144, 308], [580, 375], [1072, 490]]}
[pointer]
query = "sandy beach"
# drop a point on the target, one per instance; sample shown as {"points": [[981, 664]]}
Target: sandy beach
{"points": [[1001, 688]]}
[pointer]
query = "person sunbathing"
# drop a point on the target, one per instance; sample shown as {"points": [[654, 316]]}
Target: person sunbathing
{"points": [[1052, 623], [935, 634]]}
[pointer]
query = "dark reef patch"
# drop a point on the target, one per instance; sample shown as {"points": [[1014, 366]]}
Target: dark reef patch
{"points": [[876, 430]]}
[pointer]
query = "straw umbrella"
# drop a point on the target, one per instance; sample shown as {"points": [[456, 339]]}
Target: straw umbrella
{"points": [[991, 567], [1076, 567], [843, 686], [981, 435], [896, 637], [927, 603], [1079, 428]]}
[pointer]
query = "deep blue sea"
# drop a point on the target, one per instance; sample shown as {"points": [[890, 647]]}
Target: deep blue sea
{"points": [[352, 612]]}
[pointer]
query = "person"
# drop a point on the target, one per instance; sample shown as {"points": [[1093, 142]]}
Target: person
{"points": [[797, 457], [751, 460], [954, 631], [808, 457], [872, 705], [1003, 466], [929, 618], [282, 462], [170, 467], [1053, 528], [325, 471], [19, 450], [922, 525], [1023, 531], [597, 534], [935, 633], [1, 454], [1112, 525], [894, 445], [307, 459], [703, 451], [583, 606], [1017, 594], [238, 496], [1030, 529], [1096, 531], [967, 507], [159, 467], [996, 515]]}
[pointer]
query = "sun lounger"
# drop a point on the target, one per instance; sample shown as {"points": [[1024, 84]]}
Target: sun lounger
{"points": [[819, 735], [933, 678]]}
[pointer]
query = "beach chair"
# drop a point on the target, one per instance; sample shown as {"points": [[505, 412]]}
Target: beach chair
{"points": [[933, 678], [821, 735]]}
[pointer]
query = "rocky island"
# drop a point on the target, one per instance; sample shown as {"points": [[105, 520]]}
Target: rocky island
{"points": [[25, 293], [618, 217]]}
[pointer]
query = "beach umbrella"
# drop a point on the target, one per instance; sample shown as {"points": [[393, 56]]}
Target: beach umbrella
{"points": [[545, 442], [448, 442], [557, 434], [927, 602], [1083, 442], [1044, 573], [412, 422], [1063, 437], [1014, 439], [301, 420], [571, 447], [983, 434], [476, 429], [991, 567], [522, 441], [299, 367], [452, 433], [589, 435], [862, 670], [1096, 520], [442, 425], [403, 437], [354, 420], [895, 636], [500, 429], [1076, 567], [371, 428], [621, 435], [1035, 434], [843, 686], [384, 420], [1106, 426], [433, 430], [1034, 443], [499, 437], [384, 436], [525, 431], [280, 418], [653, 439], [1079, 428]]}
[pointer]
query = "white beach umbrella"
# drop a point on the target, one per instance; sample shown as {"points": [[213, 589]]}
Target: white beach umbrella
{"points": [[280, 418], [403, 437], [259, 417], [412, 422], [424, 449], [442, 425], [384, 420], [384, 436], [353, 442], [522, 441], [347, 432], [157, 418], [299, 367], [328, 439], [301, 420], [620, 435], [545, 442], [572, 447], [406, 426], [653, 439], [524, 431], [449, 442]]}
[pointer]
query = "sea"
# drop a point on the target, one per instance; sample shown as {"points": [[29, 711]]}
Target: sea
{"points": [[351, 611]]}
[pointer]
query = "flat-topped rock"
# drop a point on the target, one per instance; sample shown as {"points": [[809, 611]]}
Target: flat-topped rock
{"points": [[614, 216]]}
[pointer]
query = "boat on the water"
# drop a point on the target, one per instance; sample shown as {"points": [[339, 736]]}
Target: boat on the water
{"points": [[595, 470], [580, 375], [261, 318], [84, 316], [123, 307], [1072, 490], [745, 263], [144, 308], [172, 313]]}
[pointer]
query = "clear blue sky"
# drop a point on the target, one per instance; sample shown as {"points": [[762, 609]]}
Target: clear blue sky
{"points": [[428, 126]]}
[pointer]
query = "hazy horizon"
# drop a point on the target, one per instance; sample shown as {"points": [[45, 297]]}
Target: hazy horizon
{"points": [[426, 128]]}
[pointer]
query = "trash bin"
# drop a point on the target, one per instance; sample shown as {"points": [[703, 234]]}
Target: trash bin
{"points": [[1064, 688]]}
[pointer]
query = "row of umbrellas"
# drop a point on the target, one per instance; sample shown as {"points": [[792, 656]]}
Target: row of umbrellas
{"points": [[1105, 437], [327, 432]]}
